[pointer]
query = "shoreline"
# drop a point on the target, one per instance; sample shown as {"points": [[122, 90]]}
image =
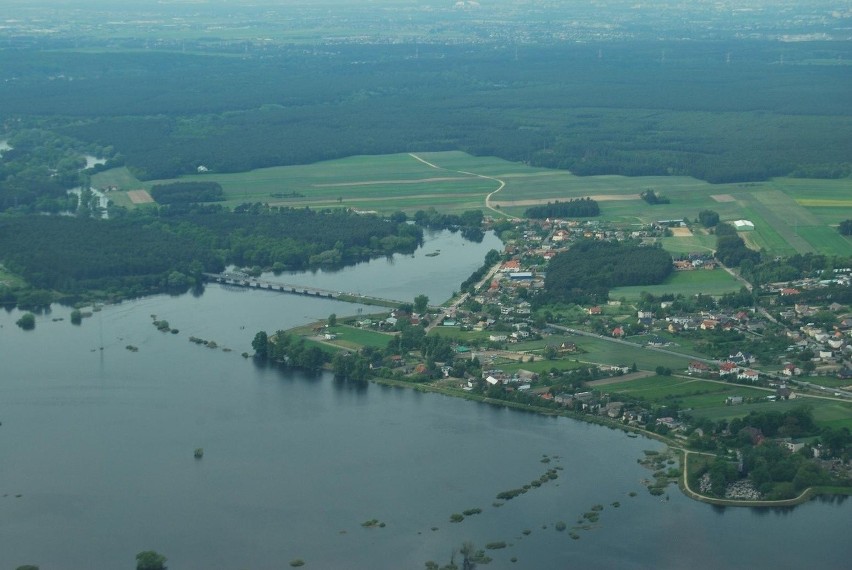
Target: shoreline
{"points": [[683, 484]]}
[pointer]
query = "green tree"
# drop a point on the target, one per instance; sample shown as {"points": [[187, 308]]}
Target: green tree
{"points": [[708, 218], [332, 320], [260, 344], [421, 303], [76, 317], [26, 322], [150, 560]]}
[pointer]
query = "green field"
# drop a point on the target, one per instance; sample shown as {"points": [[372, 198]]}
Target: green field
{"points": [[827, 413], [707, 399], [790, 215], [606, 352], [688, 283], [691, 393], [354, 337]]}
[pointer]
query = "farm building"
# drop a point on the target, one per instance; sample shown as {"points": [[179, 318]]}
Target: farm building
{"points": [[743, 225]]}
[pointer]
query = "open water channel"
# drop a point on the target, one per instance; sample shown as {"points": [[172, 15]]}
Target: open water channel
{"points": [[96, 453]]}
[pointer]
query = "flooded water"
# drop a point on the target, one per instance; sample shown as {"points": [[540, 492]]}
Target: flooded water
{"points": [[97, 440]]}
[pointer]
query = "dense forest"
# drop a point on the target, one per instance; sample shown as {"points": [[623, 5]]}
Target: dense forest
{"points": [[715, 110], [143, 253], [579, 208], [587, 271]]}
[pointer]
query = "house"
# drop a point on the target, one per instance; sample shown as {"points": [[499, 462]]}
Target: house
{"points": [[594, 310], [563, 398], [733, 400], [560, 235], [741, 358], [492, 381], [613, 409], [709, 324], [785, 393], [728, 368], [791, 370], [656, 341], [696, 367], [748, 375], [618, 332], [511, 265], [498, 338], [521, 275], [789, 291], [741, 316], [669, 422]]}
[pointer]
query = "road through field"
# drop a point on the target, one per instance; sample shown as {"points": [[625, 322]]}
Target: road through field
{"points": [[501, 183]]}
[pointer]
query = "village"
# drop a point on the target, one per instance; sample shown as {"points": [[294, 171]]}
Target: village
{"points": [[719, 357]]}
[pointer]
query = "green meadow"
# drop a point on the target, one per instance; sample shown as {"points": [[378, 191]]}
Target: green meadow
{"points": [[827, 413], [688, 283], [790, 215], [707, 399], [689, 392]]}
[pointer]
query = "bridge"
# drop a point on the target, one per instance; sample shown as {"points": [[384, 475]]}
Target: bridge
{"points": [[237, 279]]}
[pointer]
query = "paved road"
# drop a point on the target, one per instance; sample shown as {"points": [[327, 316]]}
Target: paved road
{"points": [[453, 307]]}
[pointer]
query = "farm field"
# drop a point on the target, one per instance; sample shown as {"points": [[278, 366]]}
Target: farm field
{"points": [[790, 215], [687, 392], [827, 413], [688, 283], [353, 337], [602, 351]]}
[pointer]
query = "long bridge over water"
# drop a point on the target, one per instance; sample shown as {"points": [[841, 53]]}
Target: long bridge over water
{"points": [[236, 279]]}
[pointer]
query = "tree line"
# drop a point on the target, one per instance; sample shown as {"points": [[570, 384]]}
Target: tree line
{"points": [[576, 208], [143, 253]]}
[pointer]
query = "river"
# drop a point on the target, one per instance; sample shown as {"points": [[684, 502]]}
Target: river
{"points": [[96, 454]]}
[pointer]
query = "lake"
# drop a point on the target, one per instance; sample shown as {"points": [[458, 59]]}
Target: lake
{"points": [[96, 453]]}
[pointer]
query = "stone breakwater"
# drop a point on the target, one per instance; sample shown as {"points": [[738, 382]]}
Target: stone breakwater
{"points": [[738, 490]]}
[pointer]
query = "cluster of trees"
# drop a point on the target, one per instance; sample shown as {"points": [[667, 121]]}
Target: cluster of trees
{"points": [[142, 253], [794, 267], [651, 196], [708, 218], [39, 168], [469, 222], [845, 228], [731, 249], [75, 255], [587, 271], [289, 349], [187, 192], [577, 208], [772, 469], [303, 107]]}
